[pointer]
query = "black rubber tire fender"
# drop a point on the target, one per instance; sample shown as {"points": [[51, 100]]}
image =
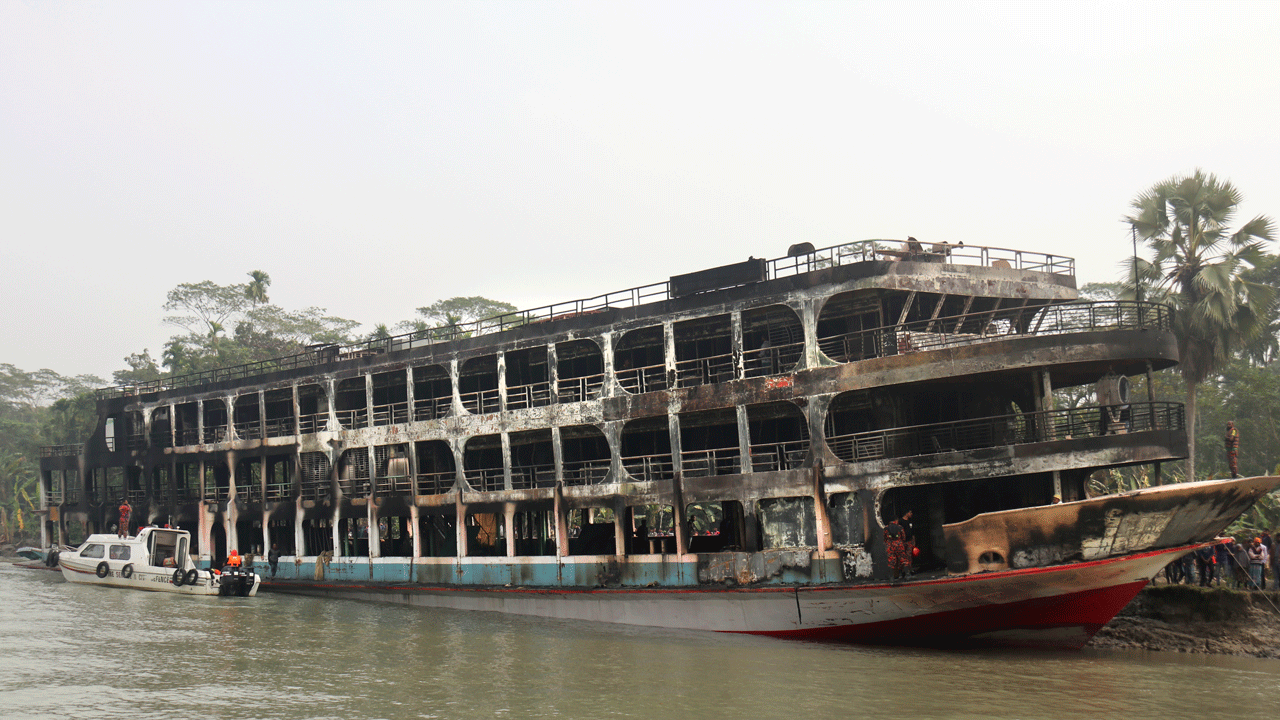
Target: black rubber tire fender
{"points": [[103, 569], [52, 559], [192, 577], [126, 572], [177, 578]]}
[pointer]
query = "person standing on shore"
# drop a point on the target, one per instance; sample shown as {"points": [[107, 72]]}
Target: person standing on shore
{"points": [[1258, 560], [1232, 443]]}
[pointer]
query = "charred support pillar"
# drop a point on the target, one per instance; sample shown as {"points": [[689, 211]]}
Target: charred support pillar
{"points": [[821, 520], [562, 531], [460, 522], [509, 523], [744, 441], [416, 530], [677, 513], [375, 530], [232, 514], [333, 489]]}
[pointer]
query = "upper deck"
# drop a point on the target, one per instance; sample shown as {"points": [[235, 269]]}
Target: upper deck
{"points": [[881, 264]]}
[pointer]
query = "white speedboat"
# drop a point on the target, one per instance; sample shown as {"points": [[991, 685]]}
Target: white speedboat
{"points": [[156, 559]]}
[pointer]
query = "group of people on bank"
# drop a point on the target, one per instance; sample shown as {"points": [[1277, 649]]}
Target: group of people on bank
{"points": [[1235, 563]]}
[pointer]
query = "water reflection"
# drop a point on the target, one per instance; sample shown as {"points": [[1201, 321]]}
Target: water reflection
{"points": [[88, 652]]}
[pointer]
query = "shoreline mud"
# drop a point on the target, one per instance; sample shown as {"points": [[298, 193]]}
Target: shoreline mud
{"points": [[1192, 619]]}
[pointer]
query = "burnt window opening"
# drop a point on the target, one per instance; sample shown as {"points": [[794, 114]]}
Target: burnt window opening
{"points": [[248, 417], [787, 522], [485, 535], [187, 424], [437, 471], [652, 530], [528, 378], [279, 418], [709, 443], [395, 536], [161, 428], [391, 469], [432, 393], [135, 486], [584, 454], [850, 326], [639, 360], [249, 536], [848, 523], [187, 483], [592, 531], [351, 403], [858, 427], [279, 478], [215, 420], [579, 371], [217, 482], [280, 528], [716, 526], [482, 464], [646, 449], [532, 460], [439, 535], [137, 431], [779, 436], [772, 341], [535, 532], [478, 385], [390, 398], [313, 409], [317, 535], [353, 472], [249, 479], [704, 351], [314, 481], [353, 534]]}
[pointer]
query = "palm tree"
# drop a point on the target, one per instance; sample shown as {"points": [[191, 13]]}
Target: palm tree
{"points": [[1198, 268], [256, 290]]}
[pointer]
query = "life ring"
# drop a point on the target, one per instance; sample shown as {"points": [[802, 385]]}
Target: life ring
{"points": [[103, 569], [126, 572], [192, 577], [177, 578]]}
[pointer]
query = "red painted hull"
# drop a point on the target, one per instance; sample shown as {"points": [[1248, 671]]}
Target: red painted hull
{"points": [[1059, 607]]}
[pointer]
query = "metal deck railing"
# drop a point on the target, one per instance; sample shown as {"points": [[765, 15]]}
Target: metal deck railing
{"points": [[822, 258]]}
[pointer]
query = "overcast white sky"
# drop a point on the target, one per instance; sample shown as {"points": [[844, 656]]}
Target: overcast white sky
{"points": [[374, 157]]}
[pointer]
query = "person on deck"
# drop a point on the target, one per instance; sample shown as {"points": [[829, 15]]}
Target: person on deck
{"points": [[126, 512], [233, 560], [273, 558], [1232, 443], [895, 545]]}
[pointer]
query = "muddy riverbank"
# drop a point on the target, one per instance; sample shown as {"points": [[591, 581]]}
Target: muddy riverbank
{"points": [[1184, 618]]}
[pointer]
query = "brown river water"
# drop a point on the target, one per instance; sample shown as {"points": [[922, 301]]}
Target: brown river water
{"points": [[75, 651]]}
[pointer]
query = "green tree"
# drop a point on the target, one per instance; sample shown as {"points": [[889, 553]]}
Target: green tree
{"points": [[455, 311], [256, 291], [1198, 268]]}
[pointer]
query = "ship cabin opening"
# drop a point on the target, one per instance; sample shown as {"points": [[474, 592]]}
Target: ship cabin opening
{"points": [[478, 385], [432, 393], [579, 371], [639, 360], [646, 449], [772, 341], [279, 412], [313, 409], [351, 403], [248, 417], [436, 469], [528, 378], [390, 398]]}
